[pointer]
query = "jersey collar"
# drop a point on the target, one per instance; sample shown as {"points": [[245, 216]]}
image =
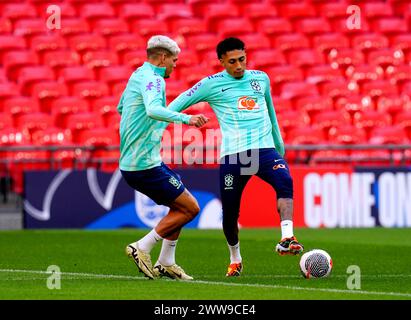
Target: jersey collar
{"points": [[231, 77], [159, 70]]}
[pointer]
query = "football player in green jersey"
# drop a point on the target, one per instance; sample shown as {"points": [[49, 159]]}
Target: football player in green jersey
{"points": [[241, 100], [144, 116]]}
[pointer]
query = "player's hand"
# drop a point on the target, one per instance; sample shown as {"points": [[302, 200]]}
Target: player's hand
{"points": [[198, 121]]}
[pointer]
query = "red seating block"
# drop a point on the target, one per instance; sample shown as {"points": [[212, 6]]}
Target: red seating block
{"points": [[217, 11], [149, 27], [343, 58], [47, 92], [90, 89], [6, 121], [65, 106], [347, 134], [10, 43], [83, 121], [15, 60], [388, 135], [330, 119], [60, 59], [231, 27], [386, 57], [32, 122], [110, 27], [84, 42], [369, 120], [31, 75], [291, 42]]}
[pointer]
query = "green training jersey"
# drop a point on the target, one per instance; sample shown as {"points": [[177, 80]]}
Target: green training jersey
{"points": [[243, 107], [144, 116]]}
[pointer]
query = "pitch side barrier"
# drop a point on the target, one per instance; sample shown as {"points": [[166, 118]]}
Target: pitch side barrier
{"points": [[329, 195]]}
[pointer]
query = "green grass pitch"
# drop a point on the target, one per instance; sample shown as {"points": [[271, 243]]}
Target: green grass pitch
{"points": [[94, 266]]}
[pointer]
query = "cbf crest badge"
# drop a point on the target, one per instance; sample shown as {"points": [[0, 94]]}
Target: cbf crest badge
{"points": [[255, 85]]}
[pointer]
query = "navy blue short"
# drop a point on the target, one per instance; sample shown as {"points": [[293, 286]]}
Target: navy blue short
{"points": [[161, 184], [266, 163]]}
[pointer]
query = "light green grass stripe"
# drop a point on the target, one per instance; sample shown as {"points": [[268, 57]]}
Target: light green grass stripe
{"points": [[254, 285]]}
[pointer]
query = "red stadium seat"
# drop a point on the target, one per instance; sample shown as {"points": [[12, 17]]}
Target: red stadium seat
{"points": [[324, 43], [266, 58], [7, 90], [5, 26], [90, 90], [398, 75], [402, 41], [371, 119], [289, 120], [330, 119], [85, 42], [46, 43], [51, 136], [6, 121], [28, 28], [283, 74], [203, 42], [386, 57], [93, 12], [403, 119], [65, 106], [337, 89], [47, 92], [258, 11], [61, 58], [255, 42], [15, 11], [74, 26], [333, 10], [313, 105], [366, 42], [168, 12], [378, 88], [312, 26], [135, 58], [354, 103], [79, 122], [174, 89], [364, 73], [229, 27], [149, 27], [112, 120], [390, 26], [193, 74], [305, 135], [217, 11], [134, 11], [388, 135], [15, 60], [294, 11], [105, 105], [72, 75], [187, 58], [31, 122], [281, 105], [305, 58], [291, 41], [294, 90], [98, 59], [31, 75], [19, 105], [323, 73], [125, 43], [10, 43], [343, 58], [274, 27], [110, 27], [187, 26], [373, 11], [347, 134]]}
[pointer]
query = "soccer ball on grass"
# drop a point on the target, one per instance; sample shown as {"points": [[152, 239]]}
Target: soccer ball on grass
{"points": [[316, 263]]}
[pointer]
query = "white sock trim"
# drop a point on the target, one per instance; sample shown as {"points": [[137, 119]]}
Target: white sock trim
{"points": [[286, 229]]}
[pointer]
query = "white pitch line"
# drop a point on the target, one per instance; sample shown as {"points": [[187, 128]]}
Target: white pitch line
{"points": [[254, 285]]}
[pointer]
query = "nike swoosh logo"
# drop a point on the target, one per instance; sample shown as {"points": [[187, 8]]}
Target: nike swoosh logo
{"points": [[277, 160], [222, 90]]}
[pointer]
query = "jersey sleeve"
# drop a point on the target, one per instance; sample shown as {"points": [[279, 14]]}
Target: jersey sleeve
{"points": [[120, 104], [278, 140], [152, 91], [195, 94]]}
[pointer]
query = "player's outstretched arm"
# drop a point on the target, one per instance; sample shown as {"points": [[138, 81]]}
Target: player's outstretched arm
{"points": [[197, 93]]}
